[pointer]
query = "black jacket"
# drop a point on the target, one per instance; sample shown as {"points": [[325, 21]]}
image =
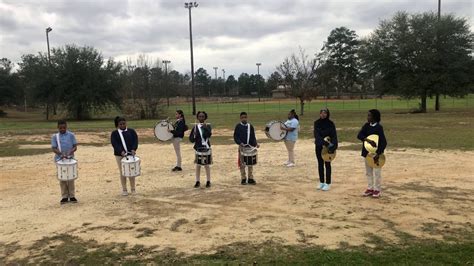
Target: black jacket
{"points": [[368, 130], [325, 128], [195, 137], [131, 140], [240, 135], [179, 128]]}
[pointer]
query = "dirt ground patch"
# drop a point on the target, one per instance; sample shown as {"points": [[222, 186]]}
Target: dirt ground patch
{"points": [[426, 194]]}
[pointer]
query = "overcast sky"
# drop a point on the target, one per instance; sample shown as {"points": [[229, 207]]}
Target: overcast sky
{"points": [[233, 35]]}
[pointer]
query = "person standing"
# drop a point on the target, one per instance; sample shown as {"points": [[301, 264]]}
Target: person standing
{"points": [[292, 128], [324, 130], [178, 135], [200, 136], [244, 135]]}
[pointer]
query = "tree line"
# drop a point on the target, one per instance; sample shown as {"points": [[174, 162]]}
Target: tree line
{"points": [[408, 55]]}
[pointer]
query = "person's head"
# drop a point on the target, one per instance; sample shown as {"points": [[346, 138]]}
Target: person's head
{"points": [[120, 122], [62, 126], [324, 113], [243, 117], [201, 116], [179, 114], [292, 114], [373, 116]]}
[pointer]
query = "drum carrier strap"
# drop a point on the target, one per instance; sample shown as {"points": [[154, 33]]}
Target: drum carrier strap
{"points": [[123, 140], [58, 142], [248, 133]]}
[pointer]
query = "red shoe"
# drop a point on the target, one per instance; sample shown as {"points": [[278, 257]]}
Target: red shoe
{"points": [[376, 194], [368, 192]]}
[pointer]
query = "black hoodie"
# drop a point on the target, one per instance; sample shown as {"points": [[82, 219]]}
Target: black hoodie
{"points": [[325, 128]]}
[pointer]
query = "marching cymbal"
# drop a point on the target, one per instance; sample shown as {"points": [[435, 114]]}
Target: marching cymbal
{"points": [[327, 157], [371, 162], [368, 146]]}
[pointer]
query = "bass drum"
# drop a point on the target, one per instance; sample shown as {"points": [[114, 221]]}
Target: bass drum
{"points": [[161, 130], [273, 130]]}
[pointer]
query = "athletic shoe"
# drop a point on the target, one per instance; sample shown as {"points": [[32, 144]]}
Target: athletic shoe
{"points": [[368, 193], [208, 184], [291, 165], [286, 163], [326, 187], [252, 181], [73, 200], [63, 201], [197, 185], [133, 192], [243, 182], [176, 168], [321, 185], [124, 193], [376, 194]]}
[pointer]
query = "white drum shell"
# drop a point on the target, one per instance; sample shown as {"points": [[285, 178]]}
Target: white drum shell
{"points": [[161, 130], [67, 169], [273, 130], [131, 166]]}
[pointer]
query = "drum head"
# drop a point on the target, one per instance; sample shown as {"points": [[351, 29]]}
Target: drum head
{"points": [[327, 157], [368, 146], [161, 130], [274, 131], [371, 162], [130, 159], [66, 161]]}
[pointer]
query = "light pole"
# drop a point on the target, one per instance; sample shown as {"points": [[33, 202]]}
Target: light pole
{"points": [[190, 5], [215, 71], [166, 62], [438, 44], [258, 77], [223, 78], [48, 29]]}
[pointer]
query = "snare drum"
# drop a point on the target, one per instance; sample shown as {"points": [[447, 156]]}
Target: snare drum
{"points": [[161, 130], [248, 155], [67, 169], [273, 130], [130, 166], [203, 157]]}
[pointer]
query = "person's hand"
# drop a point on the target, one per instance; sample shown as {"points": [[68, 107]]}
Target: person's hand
{"points": [[325, 143], [371, 142], [376, 159], [258, 145], [133, 152], [124, 153], [282, 128]]}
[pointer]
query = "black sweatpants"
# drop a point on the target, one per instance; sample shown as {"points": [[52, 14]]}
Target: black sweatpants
{"points": [[321, 165]]}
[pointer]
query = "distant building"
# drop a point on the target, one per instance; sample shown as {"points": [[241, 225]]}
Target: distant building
{"points": [[279, 92]]}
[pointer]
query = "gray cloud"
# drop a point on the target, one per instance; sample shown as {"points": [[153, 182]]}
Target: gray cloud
{"points": [[229, 34]]}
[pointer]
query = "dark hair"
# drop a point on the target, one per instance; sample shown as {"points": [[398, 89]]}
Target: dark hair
{"points": [[199, 112], [180, 112], [118, 119], [294, 114], [375, 115], [62, 122], [243, 113]]}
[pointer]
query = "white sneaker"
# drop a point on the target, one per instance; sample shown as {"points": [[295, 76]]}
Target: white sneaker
{"points": [[291, 165], [125, 193], [286, 163], [321, 185], [326, 187]]}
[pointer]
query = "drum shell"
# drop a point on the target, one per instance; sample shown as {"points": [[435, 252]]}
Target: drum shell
{"points": [[203, 157], [248, 156], [131, 166], [67, 170]]}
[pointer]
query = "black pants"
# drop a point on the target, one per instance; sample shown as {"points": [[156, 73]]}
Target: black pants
{"points": [[321, 164]]}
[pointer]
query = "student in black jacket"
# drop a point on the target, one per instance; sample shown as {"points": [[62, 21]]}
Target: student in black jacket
{"points": [[324, 127], [244, 134], [120, 150], [374, 175], [178, 135], [200, 135]]}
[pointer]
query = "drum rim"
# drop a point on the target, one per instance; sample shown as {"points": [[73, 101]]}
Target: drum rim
{"points": [[154, 129]]}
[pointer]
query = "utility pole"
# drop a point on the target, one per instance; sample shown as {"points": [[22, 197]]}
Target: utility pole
{"points": [[189, 6], [166, 62], [258, 77]]}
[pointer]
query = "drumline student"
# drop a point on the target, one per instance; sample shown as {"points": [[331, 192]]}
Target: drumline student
{"points": [[64, 145], [178, 135], [324, 127], [374, 175], [200, 135], [244, 134], [292, 127], [124, 141]]}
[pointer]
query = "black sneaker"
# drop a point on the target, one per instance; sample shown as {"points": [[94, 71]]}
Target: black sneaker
{"points": [[63, 201], [243, 182], [208, 184], [73, 200], [176, 168], [197, 185], [252, 181]]}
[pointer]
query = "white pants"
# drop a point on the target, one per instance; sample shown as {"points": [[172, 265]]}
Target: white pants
{"points": [[290, 147], [177, 150], [198, 172], [374, 177], [123, 179]]}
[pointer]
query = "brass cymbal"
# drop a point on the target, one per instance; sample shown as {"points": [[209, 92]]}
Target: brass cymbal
{"points": [[368, 146], [327, 157], [371, 162]]}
